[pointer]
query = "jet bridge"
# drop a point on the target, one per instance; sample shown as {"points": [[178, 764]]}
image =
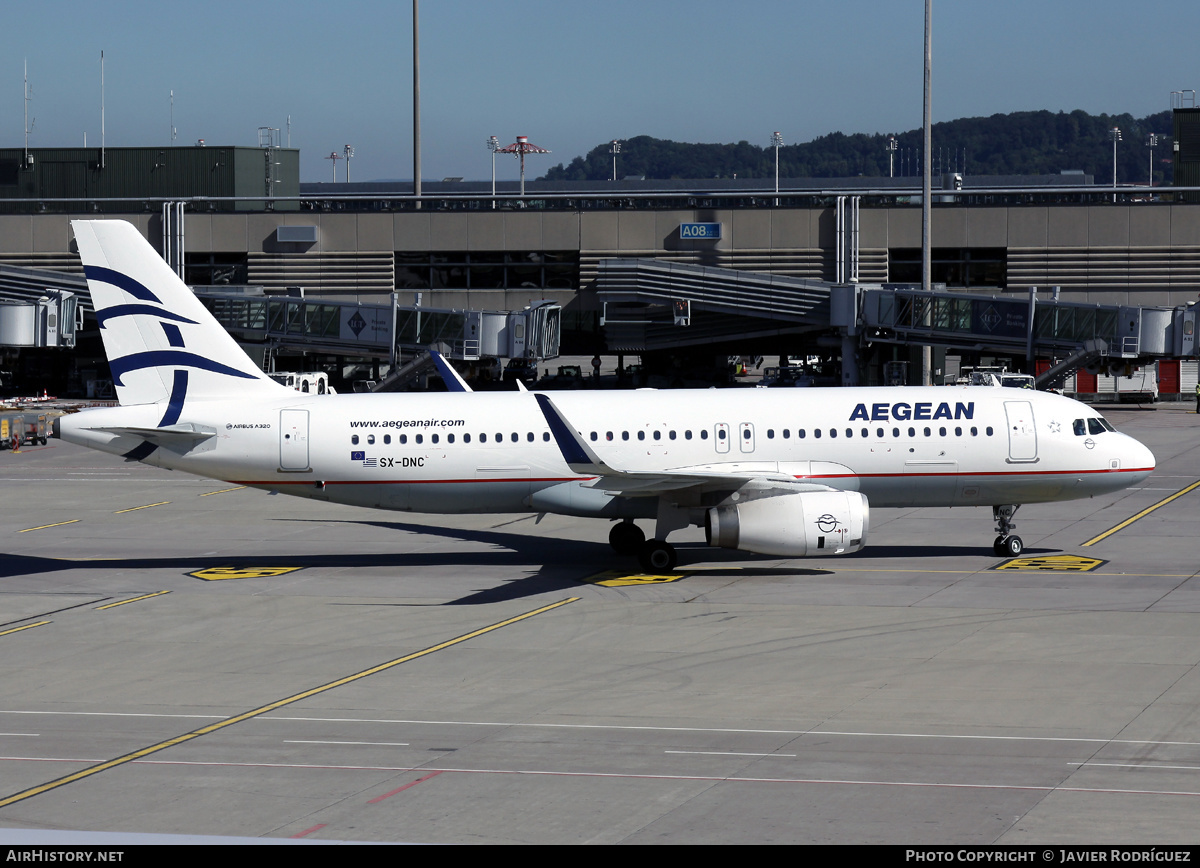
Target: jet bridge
{"points": [[41, 308], [650, 304], [384, 331], [1086, 334], [645, 301]]}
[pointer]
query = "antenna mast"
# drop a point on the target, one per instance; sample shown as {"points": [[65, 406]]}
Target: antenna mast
{"points": [[101, 108], [28, 128]]}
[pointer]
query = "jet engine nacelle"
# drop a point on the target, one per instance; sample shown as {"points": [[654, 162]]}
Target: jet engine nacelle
{"points": [[806, 524]]}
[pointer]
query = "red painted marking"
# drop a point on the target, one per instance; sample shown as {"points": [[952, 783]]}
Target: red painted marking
{"points": [[403, 788], [315, 828], [966, 474], [276, 482]]}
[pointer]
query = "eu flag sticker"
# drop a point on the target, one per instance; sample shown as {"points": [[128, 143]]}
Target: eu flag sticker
{"points": [[357, 456]]}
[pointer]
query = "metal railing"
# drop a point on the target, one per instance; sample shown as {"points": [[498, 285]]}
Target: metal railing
{"points": [[617, 199]]}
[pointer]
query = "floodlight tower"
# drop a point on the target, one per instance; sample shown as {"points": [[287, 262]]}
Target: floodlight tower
{"points": [[493, 145], [334, 156], [347, 153], [614, 149], [892, 144], [1152, 142], [776, 143], [520, 148]]}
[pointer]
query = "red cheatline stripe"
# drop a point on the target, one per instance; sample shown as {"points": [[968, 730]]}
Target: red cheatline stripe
{"points": [[275, 483]]}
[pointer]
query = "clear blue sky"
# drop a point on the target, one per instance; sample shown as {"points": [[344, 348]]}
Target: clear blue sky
{"points": [[568, 74]]}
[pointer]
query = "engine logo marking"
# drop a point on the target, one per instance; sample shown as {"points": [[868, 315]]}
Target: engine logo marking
{"points": [[827, 523]]}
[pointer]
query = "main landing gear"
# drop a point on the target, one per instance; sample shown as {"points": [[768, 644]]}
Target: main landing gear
{"points": [[1007, 544], [626, 538], [657, 556]]}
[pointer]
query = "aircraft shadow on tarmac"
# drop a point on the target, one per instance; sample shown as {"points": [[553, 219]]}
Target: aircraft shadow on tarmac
{"points": [[563, 564]]}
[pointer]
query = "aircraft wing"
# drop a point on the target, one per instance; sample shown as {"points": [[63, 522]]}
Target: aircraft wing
{"points": [[582, 459]]}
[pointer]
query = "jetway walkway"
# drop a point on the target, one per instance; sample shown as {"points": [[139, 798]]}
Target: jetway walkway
{"points": [[649, 304], [643, 300], [40, 308], [1036, 326], [345, 327], [386, 331]]}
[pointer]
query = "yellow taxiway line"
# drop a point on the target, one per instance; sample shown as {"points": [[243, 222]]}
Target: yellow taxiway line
{"points": [[272, 706], [44, 526], [1145, 512], [147, 506], [26, 627], [131, 600]]}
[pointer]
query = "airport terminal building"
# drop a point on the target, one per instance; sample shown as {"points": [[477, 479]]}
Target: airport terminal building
{"points": [[238, 217]]}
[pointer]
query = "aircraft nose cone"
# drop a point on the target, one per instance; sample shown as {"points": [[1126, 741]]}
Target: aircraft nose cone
{"points": [[1139, 457]]}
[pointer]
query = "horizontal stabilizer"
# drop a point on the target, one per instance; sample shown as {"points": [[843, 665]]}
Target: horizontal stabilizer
{"points": [[172, 434]]}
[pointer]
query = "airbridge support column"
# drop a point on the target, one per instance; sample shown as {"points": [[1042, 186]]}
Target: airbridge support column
{"points": [[844, 314], [849, 361]]}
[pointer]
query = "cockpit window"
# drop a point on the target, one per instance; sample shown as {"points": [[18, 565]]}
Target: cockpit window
{"points": [[1094, 425]]}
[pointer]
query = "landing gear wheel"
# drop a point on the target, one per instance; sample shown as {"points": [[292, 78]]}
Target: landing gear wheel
{"points": [[1006, 544], [657, 556], [626, 538]]}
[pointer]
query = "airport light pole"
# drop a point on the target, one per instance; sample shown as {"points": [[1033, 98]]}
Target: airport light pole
{"points": [[927, 187], [776, 143], [1115, 135], [416, 109], [1152, 142], [347, 154], [493, 145], [892, 144], [614, 149]]}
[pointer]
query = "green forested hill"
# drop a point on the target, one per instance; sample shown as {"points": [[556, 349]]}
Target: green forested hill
{"points": [[1021, 143]]}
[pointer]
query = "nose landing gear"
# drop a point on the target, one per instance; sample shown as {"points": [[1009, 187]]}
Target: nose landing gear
{"points": [[1007, 544]]}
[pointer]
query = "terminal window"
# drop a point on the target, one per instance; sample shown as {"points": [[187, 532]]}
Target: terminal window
{"points": [[979, 267], [488, 270], [215, 269]]}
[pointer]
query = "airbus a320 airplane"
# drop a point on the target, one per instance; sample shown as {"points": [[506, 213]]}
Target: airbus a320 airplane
{"points": [[787, 472]]}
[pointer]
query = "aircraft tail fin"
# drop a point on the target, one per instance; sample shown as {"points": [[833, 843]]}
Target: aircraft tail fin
{"points": [[163, 345]]}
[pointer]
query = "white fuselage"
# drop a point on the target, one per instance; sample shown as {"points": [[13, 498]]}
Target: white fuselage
{"points": [[487, 452]]}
